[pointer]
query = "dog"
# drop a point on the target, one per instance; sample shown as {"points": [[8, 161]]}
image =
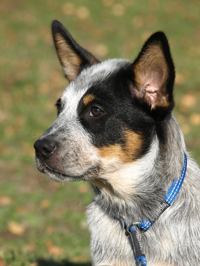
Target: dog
{"points": [[115, 129]]}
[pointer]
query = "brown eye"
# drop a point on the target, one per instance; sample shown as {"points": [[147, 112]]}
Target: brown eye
{"points": [[96, 111]]}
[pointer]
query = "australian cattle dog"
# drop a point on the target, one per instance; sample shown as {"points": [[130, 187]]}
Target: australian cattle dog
{"points": [[115, 129]]}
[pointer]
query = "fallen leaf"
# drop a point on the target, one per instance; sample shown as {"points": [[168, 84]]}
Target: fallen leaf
{"points": [[195, 119], [108, 2], [33, 264], [69, 9], [2, 263], [180, 79], [5, 200], [188, 101], [83, 12], [16, 228], [3, 116], [29, 247], [50, 229], [118, 10], [83, 188], [54, 250], [100, 50], [138, 21], [44, 204]]}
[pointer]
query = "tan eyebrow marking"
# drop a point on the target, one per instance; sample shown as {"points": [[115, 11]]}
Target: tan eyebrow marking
{"points": [[88, 99]]}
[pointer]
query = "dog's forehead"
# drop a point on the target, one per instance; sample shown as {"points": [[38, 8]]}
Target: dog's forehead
{"points": [[89, 77]]}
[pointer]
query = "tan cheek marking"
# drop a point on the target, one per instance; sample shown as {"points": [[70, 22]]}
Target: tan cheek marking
{"points": [[114, 150], [88, 99], [133, 144], [127, 152]]}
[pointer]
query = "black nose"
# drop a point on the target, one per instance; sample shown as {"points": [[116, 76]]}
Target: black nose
{"points": [[45, 147]]}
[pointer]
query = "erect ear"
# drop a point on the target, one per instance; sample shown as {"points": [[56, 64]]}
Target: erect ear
{"points": [[72, 56], [154, 74]]}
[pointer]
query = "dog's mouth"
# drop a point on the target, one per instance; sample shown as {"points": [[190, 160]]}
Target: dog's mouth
{"points": [[58, 176]]}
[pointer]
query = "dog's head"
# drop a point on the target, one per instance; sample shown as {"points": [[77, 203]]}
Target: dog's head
{"points": [[108, 114]]}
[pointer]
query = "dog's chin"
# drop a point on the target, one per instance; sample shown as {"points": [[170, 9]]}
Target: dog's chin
{"points": [[60, 177]]}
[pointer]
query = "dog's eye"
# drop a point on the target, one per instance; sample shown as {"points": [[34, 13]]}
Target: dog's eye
{"points": [[58, 105], [96, 111]]}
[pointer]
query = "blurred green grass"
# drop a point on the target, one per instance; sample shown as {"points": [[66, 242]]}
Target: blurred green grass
{"points": [[44, 222]]}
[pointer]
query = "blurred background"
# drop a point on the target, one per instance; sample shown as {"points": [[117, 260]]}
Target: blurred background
{"points": [[43, 223]]}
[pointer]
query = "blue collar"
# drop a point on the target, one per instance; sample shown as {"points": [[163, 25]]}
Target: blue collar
{"points": [[133, 230]]}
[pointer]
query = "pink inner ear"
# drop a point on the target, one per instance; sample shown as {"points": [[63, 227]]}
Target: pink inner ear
{"points": [[151, 73], [152, 83], [151, 94]]}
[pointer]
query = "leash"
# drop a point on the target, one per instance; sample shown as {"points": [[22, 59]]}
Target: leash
{"points": [[133, 231]]}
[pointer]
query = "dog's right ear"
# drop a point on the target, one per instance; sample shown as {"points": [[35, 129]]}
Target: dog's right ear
{"points": [[154, 74], [72, 56]]}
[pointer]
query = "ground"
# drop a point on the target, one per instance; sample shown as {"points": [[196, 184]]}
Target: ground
{"points": [[43, 223]]}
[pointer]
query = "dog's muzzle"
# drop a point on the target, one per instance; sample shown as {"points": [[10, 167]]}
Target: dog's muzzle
{"points": [[46, 151], [50, 161]]}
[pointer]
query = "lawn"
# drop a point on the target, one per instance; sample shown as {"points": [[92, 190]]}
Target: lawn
{"points": [[43, 223]]}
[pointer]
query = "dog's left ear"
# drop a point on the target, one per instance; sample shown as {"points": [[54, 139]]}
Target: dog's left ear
{"points": [[71, 55], [154, 74]]}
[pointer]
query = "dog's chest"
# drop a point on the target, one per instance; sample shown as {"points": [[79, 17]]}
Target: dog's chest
{"points": [[108, 240], [110, 245]]}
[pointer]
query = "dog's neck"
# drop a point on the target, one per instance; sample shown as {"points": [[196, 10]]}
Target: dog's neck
{"points": [[147, 180]]}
